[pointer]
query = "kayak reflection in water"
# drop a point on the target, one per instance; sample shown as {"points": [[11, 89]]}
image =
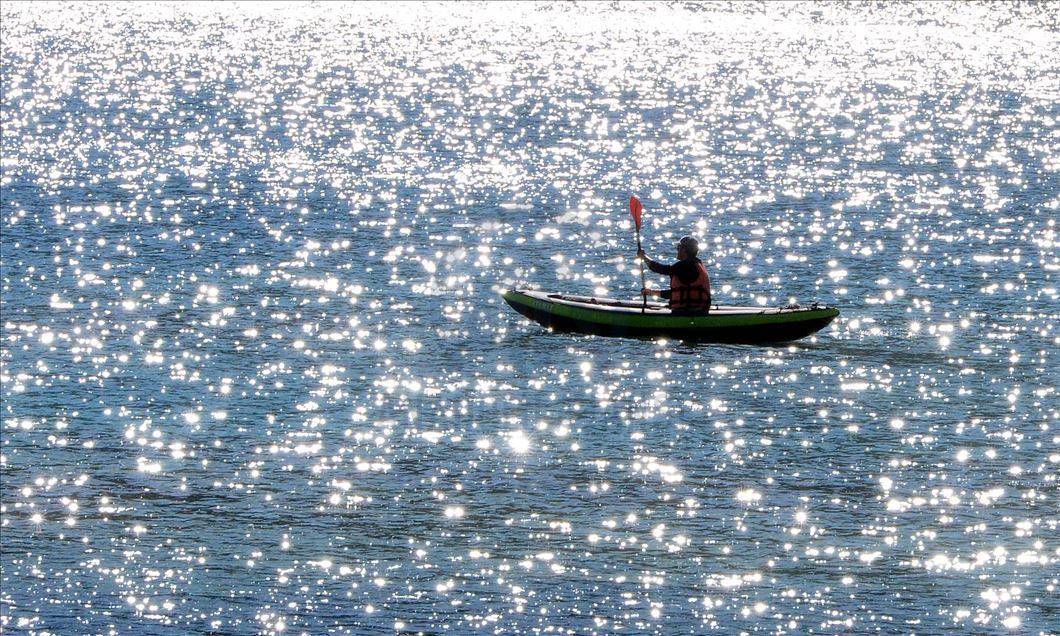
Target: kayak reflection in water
{"points": [[689, 292]]}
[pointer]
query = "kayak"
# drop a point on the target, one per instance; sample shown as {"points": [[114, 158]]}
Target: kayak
{"points": [[631, 319]]}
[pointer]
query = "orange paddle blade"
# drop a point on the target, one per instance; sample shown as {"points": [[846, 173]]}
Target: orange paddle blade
{"points": [[635, 208]]}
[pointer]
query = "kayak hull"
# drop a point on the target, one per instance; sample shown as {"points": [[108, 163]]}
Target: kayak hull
{"points": [[625, 319]]}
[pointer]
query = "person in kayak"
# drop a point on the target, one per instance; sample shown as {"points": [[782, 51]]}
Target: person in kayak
{"points": [[689, 292]]}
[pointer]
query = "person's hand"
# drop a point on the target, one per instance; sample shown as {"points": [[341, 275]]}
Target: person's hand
{"points": [[644, 291], [641, 255]]}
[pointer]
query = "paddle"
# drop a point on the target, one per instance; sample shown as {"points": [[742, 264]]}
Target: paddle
{"points": [[635, 208]]}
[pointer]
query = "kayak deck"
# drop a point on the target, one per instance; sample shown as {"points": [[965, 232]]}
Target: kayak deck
{"points": [[632, 319]]}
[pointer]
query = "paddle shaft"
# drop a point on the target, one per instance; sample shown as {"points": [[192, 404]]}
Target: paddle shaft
{"points": [[643, 281]]}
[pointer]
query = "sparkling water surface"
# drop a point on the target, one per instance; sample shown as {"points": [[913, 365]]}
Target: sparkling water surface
{"points": [[257, 376]]}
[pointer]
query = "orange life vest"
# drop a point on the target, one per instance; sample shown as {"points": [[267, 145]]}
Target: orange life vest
{"points": [[694, 296]]}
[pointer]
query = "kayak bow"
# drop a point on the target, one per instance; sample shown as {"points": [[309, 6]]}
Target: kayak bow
{"points": [[630, 319]]}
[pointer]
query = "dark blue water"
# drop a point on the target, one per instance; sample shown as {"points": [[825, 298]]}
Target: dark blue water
{"points": [[257, 375]]}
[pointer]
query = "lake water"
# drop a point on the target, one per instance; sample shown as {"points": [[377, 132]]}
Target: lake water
{"points": [[257, 376]]}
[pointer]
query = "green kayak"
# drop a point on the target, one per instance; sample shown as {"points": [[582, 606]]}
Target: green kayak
{"points": [[630, 319]]}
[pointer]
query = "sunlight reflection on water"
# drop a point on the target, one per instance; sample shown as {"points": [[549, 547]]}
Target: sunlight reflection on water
{"points": [[257, 375]]}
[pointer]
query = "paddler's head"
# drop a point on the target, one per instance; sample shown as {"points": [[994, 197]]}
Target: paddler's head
{"points": [[687, 247]]}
